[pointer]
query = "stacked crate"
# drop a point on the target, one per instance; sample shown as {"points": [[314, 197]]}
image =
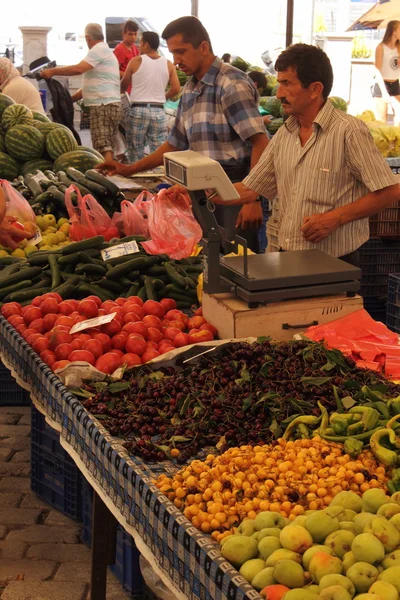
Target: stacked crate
{"points": [[11, 394]]}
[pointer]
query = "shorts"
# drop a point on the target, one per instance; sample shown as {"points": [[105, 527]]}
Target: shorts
{"points": [[104, 121], [392, 88]]}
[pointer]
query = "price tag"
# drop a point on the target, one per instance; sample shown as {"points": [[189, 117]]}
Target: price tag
{"points": [[36, 239], [92, 323], [120, 250]]}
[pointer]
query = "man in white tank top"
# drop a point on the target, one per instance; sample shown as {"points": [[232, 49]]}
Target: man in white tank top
{"points": [[149, 74], [387, 63]]}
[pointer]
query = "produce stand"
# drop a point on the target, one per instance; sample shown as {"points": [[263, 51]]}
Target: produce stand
{"points": [[188, 562]]}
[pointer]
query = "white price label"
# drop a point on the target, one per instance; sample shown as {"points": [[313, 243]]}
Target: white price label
{"points": [[36, 239], [92, 323], [120, 250]]}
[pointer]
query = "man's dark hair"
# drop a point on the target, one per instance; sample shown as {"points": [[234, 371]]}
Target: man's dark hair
{"points": [[130, 26], [152, 38], [190, 28], [226, 57], [258, 78], [310, 63]]}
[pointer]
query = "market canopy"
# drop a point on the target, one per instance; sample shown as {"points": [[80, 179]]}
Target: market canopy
{"points": [[378, 16]]}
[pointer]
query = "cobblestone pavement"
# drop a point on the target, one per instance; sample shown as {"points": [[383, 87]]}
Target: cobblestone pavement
{"points": [[41, 556]]}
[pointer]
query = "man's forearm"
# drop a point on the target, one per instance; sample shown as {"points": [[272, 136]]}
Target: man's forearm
{"points": [[77, 96], [368, 205], [155, 159], [69, 71], [258, 144]]}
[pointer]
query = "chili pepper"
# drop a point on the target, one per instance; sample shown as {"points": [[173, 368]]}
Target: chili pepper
{"points": [[356, 428], [303, 431], [342, 438], [353, 447], [394, 405], [324, 418], [394, 419], [382, 408], [340, 422], [369, 417], [306, 420], [380, 443]]}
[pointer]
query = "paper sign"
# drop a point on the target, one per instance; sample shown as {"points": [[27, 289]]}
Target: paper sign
{"points": [[92, 323], [120, 250], [36, 239]]}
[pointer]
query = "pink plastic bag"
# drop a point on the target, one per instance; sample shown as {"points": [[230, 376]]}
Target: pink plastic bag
{"points": [[134, 215], [88, 218], [172, 226], [16, 205]]}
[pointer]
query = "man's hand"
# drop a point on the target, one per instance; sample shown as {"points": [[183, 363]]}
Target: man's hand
{"points": [[46, 73], [317, 227], [113, 167], [10, 236], [250, 216]]}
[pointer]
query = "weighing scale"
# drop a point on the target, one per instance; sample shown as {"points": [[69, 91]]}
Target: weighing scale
{"points": [[259, 278]]}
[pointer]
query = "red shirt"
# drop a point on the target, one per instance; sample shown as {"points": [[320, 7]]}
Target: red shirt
{"points": [[124, 55]]}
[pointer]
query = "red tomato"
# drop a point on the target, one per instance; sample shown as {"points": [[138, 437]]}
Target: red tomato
{"points": [[38, 325], [200, 336], [21, 328], [136, 345], [15, 320], [79, 319], [49, 305], [120, 301], [63, 351], [108, 304], [170, 333], [131, 317], [88, 308], [28, 332], [181, 339], [46, 355], [117, 352], [59, 364], [95, 299], [151, 307], [78, 355], [199, 312], [49, 321], [177, 324], [131, 360], [135, 300], [108, 363], [104, 340], [164, 348], [93, 346], [118, 340], [172, 314], [32, 337], [11, 308], [168, 304], [65, 307], [191, 331], [36, 301], [153, 345], [137, 328], [40, 344], [135, 308], [32, 313], [183, 319], [78, 345], [118, 310], [48, 334], [196, 322], [65, 320], [84, 337], [59, 337], [102, 312], [154, 334], [209, 327], [149, 355], [111, 328], [61, 328], [92, 331], [52, 295], [152, 321]]}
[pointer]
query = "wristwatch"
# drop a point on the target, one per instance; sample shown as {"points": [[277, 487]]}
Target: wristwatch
{"points": [[259, 199]]}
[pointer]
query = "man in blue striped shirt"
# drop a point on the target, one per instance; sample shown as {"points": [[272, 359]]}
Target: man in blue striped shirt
{"points": [[217, 116]]}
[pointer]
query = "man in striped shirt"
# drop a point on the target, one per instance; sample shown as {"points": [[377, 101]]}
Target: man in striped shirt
{"points": [[322, 164]]}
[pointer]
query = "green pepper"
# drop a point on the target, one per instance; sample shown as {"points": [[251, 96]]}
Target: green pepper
{"points": [[382, 408], [390, 425], [394, 405], [342, 438], [305, 420], [353, 447], [383, 443], [303, 431], [395, 480], [356, 428], [324, 418], [340, 423], [368, 417]]}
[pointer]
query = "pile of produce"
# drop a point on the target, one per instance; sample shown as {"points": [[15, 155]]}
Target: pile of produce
{"points": [[55, 235], [339, 103], [273, 106], [349, 550]]}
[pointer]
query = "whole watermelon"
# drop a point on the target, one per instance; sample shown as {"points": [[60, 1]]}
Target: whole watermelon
{"points": [[4, 102], [36, 164], [273, 106], [40, 116], [339, 103], [24, 142], [59, 141], [274, 125], [79, 159], [8, 167], [92, 151], [16, 114], [241, 64], [2, 143], [46, 126]]}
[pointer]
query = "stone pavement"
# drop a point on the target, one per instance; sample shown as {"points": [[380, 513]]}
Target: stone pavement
{"points": [[41, 556]]}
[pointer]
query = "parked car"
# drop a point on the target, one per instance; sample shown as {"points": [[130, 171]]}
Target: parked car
{"points": [[114, 27]]}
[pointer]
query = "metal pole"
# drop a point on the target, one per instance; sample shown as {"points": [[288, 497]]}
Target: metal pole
{"points": [[195, 8], [289, 22]]}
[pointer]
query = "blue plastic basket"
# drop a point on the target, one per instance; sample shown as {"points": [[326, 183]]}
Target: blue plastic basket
{"points": [[46, 438], [393, 304], [11, 394]]}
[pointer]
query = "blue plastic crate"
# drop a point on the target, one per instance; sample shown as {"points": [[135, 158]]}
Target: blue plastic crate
{"points": [[11, 394], [86, 511], [393, 304], [43, 436]]}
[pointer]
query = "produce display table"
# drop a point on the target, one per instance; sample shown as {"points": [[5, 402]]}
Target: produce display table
{"points": [[188, 562]]}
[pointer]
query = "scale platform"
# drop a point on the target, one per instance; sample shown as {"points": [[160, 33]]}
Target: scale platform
{"points": [[277, 276]]}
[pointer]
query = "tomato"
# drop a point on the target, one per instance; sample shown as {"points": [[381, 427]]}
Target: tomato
{"points": [[66, 307], [200, 336], [49, 321], [104, 340], [168, 304], [196, 322], [46, 355], [77, 345], [131, 360], [154, 334], [84, 337], [111, 328], [21, 328], [93, 346], [118, 311], [108, 304], [92, 331], [131, 317], [59, 364], [164, 348], [181, 339], [95, 299], [79, 319], [120, 301], [108, 363], [118, 340], [59, 337], [52, 295], [177, 324], [63, 351], [136, 345], [88, 308], [135, 308], [191, 331], [36, 301], [183, 319], [199, 312], [32, 337], [135, 300], [209, 327], [153, 345], [137, 328], [40, 344], [10, 308], [32, 313], [117, 352], [172, 314], [38, 325], [65, 320], [102, 312], [151, 307], [15, 320], [28, 332], [49, 305], [149, 355], [170, 333], [152, 321], [78, 355]]}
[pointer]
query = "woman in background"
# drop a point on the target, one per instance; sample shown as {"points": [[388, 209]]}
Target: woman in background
{"points": [[387, 88], [18, 88]]}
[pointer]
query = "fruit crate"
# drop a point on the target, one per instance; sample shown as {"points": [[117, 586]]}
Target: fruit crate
{"points": [[11, 393], [393, 303], [54, 475], [126, 567]]}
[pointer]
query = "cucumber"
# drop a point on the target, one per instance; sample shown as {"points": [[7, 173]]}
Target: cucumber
{"points": [[42, 283], [181, 304], [151, 293], [174, 289], [9, 260], [41, 259], [100, 179], [96, 290], [68, 289], [91, 243], [142, 294], [140, 263], [109, 285], [129, 238], [79, 178], [26, 294], [174, 276], [156, 270], [55, 272], [14, 288], [133, 290], [91, 269], [21, 275]]}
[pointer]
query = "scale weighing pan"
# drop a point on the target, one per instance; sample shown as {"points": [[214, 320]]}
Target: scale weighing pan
{"points": [[278, 270]]}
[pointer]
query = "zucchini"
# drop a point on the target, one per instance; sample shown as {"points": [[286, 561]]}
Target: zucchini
{"points": [[58, 196], [55, 272], [32, 184], [15, 288], [100, 179], [42, 198], [24, 295], [91, 243], [21, 275]]}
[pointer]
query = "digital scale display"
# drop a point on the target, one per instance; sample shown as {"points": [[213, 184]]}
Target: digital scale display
{"points": [[176, 172]]}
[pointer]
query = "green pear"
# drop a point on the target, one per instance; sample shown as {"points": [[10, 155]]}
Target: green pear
{"points": [[385, 531], [395, 520], [314, 589], [290, 573], [340, 541], [324, 564], [342, 514], [348, 561], [391, 575], [263, 578], [299, 595], [361, 520], [347, 500], [308, 554], [238, 549], [384, 590], [367, 548], [329, 580], [268, 545], [349, 515], [268, 518], [388, 510], [348, 526], [362, 575], [282, 554], [299, 520], [320, 525], [373, 499], [247, 527], [367, 596], [335, 592], [225, 539], [250, 568], [392, 559], [395, 497], [295, 538], [275, 531]]}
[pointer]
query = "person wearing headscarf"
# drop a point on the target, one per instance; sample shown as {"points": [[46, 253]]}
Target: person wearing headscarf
{"points": [[21, 90]]}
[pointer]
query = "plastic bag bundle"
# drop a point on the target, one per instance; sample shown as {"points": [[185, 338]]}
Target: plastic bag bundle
{"points": [[87, 217], [16, 205], [134, 215]]}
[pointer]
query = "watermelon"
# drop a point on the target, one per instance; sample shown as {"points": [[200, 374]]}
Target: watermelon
{"points": [[182, 77], [255, 68], [4, 102], [273, 106], [59, 141], [24, 142], [339, 103], [40, 117], [46, 127], [2, 143], [240, 64], [274, 89], [274, 125], [36, 164], [8, 167], [92, 150], [16, 114], [79, 159]]}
